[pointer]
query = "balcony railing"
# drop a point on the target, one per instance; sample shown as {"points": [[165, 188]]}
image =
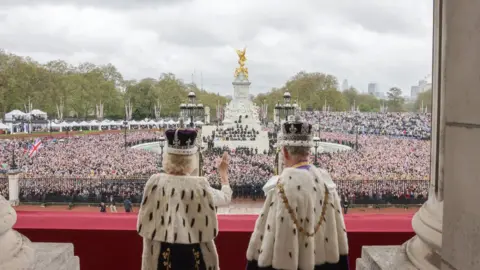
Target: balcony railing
{"points": [[96, 190]]}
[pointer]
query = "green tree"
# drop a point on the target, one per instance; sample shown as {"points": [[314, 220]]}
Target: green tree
{"points": [[424, 98], [310, 90], [368, 103], [58, 87], [395, 99], [351, 96]]}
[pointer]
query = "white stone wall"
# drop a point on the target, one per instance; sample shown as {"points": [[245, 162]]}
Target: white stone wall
{"points": [[448, 225], [461, 172]]}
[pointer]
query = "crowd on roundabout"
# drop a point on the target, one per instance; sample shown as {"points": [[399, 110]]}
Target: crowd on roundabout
{"points": [[401, 124], [391, 163]]}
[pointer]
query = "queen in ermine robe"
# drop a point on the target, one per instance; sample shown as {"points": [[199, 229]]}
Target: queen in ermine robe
{"points": [[177, 217], [301, 225]]}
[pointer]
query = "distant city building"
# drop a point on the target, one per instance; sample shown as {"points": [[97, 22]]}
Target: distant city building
{"points": [[414, 91], [345, 85], [423, 85], [372, 88]]}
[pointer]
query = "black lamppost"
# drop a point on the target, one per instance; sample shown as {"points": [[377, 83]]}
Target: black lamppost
{"points": [[13, 166], [278, 111], [161, 142], [316, 141], [50, 126], [125, 126], [288, 108], [192, 109], [319, 127], [264, 114], [356, 138], [200, 161], [276, 168]]}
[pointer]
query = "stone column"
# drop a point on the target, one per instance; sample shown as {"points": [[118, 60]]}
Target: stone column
{"points": [[13, 189], [461, 188], [448, 224], [423, 250]]}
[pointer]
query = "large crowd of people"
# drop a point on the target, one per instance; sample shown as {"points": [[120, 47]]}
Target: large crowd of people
{"points": [[104, 155], [415, 125], [238, 133], [389, 162], [377, 158]]}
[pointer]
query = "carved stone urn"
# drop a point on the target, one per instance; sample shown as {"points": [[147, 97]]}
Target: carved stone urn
{"points": [[17, 251]]}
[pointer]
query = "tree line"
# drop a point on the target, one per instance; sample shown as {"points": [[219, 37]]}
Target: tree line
{"points": [[59, 88], [314, 91], [88, 91]]}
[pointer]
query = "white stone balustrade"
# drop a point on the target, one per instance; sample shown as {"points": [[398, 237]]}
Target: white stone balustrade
{"points": [[17, 252]]}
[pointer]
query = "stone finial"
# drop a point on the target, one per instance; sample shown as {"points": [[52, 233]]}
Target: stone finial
{"points": [[17, 251]]}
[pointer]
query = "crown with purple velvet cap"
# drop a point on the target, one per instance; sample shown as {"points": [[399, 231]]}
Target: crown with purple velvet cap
{"points": [[181, 141], [296, 132]]}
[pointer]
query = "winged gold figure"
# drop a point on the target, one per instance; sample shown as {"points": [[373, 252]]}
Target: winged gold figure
{"points": [[241, 56], [241, 62]]}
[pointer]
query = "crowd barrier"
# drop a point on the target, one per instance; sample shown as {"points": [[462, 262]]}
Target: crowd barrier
{"points": [[137, 142], [96, 190]]}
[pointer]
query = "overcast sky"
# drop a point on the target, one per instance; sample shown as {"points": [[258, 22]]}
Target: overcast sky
{"points": [[383, 41]]}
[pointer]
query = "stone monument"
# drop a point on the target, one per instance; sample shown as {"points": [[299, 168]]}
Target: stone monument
{"points": [[241, 111], [241, 85]]}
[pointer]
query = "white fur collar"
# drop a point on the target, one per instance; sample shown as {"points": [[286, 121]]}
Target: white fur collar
{"points": [[321, 175]]}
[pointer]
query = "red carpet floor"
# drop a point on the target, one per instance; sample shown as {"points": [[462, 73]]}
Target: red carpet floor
{"points": [[109, 241]]}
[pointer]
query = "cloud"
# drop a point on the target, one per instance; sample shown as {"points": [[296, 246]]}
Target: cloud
{"points": [[386, 41], [108, 4]]}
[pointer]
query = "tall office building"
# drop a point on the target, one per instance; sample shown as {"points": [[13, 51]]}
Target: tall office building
{"points": [[373, 89], [423, 85], [414, 91], [345, 85]]}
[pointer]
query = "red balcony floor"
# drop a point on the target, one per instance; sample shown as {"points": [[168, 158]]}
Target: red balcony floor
{"points": [[109, 241]]}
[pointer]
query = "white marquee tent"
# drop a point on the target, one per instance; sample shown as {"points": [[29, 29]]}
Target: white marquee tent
{"points": [[38, 113], [15, 113], [110, 123]]}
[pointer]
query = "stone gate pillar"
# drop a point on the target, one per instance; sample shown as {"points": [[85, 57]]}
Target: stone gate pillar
{"points": [[13, 188]]}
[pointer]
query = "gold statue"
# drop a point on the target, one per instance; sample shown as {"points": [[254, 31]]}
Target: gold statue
{"points": [[241, 62], [241, 57]]}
